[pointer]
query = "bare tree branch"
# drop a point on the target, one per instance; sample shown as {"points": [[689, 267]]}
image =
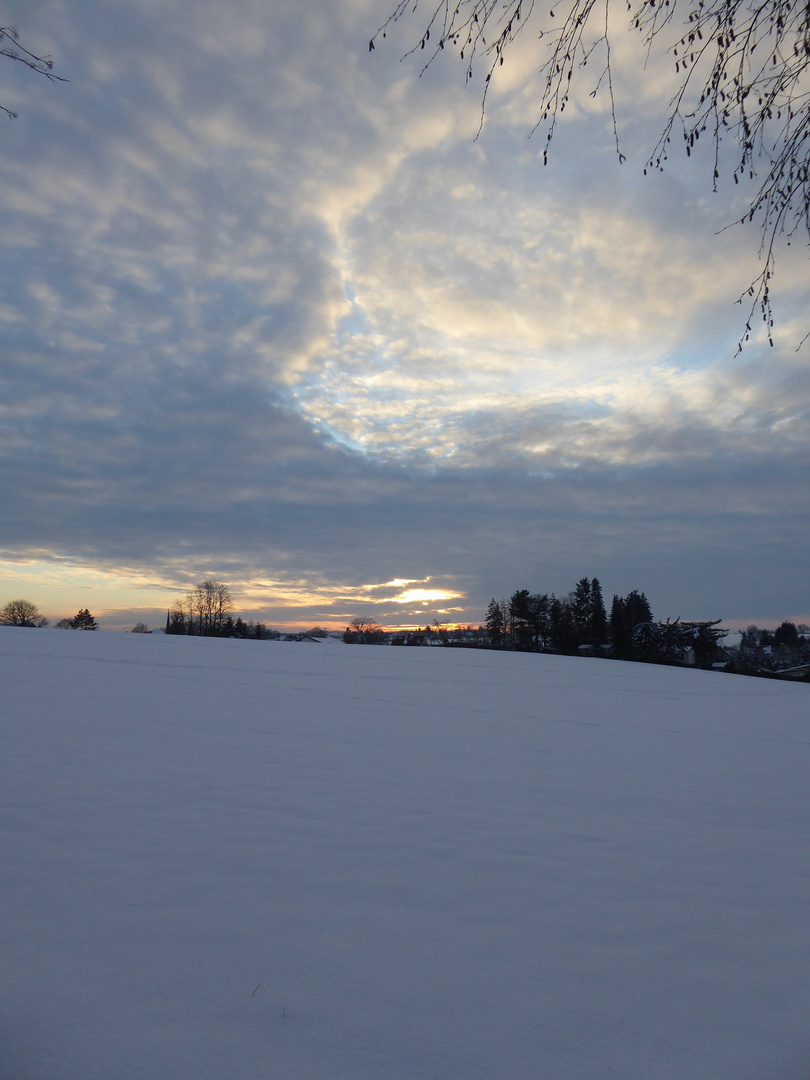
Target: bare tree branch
{"points": [[11, 49], [744, 76]]}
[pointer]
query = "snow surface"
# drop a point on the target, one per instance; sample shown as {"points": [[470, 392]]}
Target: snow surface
{"points": [[234, 859]]}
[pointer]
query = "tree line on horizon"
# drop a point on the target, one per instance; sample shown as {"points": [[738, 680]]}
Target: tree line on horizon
{"points": [[579, 622], [207, 610], [24, 613], [575, 624]]}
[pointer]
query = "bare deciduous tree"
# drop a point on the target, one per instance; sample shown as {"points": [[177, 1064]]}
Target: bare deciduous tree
{"points": [[363, 629], [21, 613], [742, 69], [205, 608]]}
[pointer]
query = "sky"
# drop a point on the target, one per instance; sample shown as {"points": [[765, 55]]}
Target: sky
{"points": [[272, 314]]}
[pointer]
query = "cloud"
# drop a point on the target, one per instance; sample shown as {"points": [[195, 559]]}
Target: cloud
{"points": [[270, 315]]}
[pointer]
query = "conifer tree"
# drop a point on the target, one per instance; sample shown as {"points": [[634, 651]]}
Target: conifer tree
{"points": [[620, 637], [561, 624], [706, 637], [598, 614], [83, 620], [582, 611], [637, 609], [494, 622], [538, 619], [519, 617], [786, 634]]}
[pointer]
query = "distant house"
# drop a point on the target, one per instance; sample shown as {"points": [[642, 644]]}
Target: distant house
{"points": [[802, 671], [594, 650]]}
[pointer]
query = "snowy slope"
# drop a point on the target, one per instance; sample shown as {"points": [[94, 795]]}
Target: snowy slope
{"points": [[233, 859]]}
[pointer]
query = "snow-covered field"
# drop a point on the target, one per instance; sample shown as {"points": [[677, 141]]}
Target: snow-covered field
{"points": [[234, 859]]}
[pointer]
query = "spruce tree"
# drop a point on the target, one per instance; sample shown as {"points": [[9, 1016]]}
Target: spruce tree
{"points": [[582, 611], [561, 625], [538, 619], [495, 622], [84, 621], [598, 614], [786, 634], [519, 617], [637, 609], [621, 638]]}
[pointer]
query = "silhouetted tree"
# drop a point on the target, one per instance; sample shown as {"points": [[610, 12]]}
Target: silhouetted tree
{"points": [[21, 613], [786, 634], [83, 620], [562, 632], [706, 638], [538, 619], [494, 622], [598, 614], [645, 642], [203, 610], [637, 609], [621, 635], [363, 630], [588, 612], [582, 611], [626, 615], [520, 618], [674, 640]]}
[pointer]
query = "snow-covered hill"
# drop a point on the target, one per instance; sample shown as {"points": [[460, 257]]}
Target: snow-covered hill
{"points": [[234, 859]]}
